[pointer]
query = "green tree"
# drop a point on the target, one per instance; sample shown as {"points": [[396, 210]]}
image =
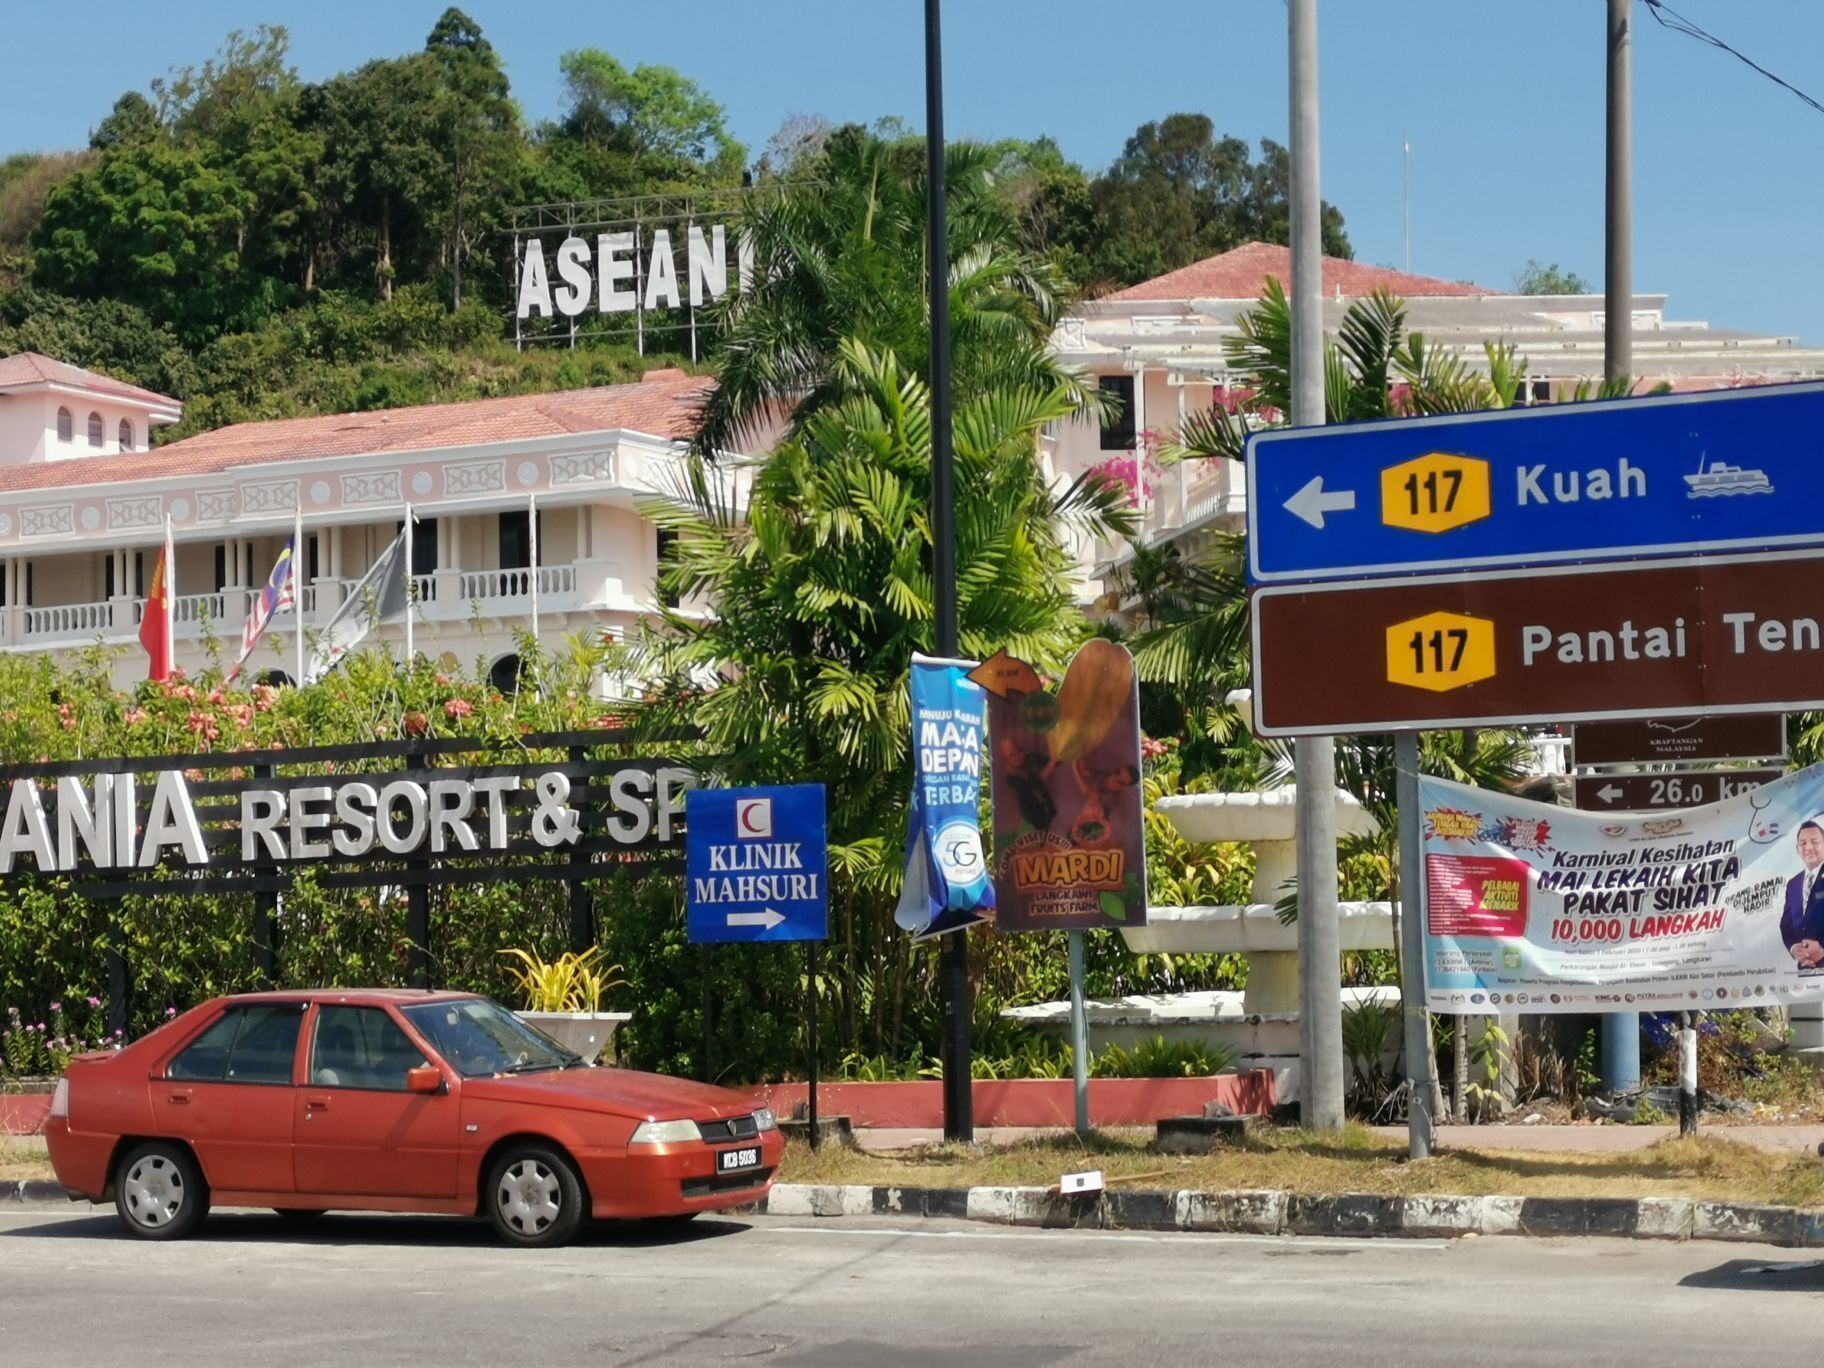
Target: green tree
{"points": [[1540, 279], [152, 225], [476, 126], [132, 120], [652, 112], [845, 261], [818, 593], [1179, 193]]}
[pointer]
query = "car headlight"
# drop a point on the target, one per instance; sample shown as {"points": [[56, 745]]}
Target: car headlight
{"points": [[764, 1120], [665, 1133], [60, 1100]]}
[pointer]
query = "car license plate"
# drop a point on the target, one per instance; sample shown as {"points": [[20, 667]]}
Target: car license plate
{"points": [[730, 1161]]}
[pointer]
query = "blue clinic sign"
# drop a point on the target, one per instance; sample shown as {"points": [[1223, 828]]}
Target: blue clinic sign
{"points": [[756, 864], [1672, 475]]}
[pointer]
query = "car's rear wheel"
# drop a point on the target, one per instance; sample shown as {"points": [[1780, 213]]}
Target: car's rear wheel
{"points": [[534, 1197], [159, 1192]]}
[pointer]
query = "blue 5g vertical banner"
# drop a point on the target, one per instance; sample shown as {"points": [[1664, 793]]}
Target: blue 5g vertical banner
{"points": [[947, 882]]}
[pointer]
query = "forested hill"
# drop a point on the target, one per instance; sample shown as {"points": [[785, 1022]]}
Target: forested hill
{"points": [[259, 246]]}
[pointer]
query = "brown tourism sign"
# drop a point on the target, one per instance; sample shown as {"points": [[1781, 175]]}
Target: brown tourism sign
{"points": [[1719, 635], [1677, 740], [1659, 792]]}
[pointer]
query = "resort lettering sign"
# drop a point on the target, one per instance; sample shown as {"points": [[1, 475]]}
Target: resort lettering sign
{"points": [[424, 812], [100, 822]]}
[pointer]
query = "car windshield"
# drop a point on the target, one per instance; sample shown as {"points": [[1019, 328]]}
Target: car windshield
{"points": [[478, 1037]]}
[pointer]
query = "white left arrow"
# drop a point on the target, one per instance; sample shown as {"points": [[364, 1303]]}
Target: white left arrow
{"points": [[769, 918], [1313, 501], [1609, 793]]}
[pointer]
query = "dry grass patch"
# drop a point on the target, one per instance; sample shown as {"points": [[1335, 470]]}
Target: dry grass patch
{"points": [[23, 1157], [1708, 1168]]}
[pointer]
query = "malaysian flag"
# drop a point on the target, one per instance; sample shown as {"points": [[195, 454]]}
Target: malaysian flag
{"points": [[279, 593]]}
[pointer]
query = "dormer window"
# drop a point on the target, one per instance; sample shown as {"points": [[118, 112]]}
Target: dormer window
{"points": [[94, 429], [66, 425], [126, 435]]}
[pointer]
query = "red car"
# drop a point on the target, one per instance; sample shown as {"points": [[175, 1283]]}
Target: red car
{"points": [[393, 1100]]}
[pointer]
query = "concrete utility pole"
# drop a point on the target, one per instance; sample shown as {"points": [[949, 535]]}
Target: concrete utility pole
{"points": [[1620, 1030], [1320, 1014]]}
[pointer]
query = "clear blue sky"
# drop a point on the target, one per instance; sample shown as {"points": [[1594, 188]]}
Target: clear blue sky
{"points": [[1502, 102]]}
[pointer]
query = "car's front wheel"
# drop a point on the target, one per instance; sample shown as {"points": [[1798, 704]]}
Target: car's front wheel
{"points": [[535, 1197], [159, 1192]]}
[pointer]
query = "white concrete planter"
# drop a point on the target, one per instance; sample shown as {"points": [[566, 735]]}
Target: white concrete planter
{"points": [[583, 1033]]}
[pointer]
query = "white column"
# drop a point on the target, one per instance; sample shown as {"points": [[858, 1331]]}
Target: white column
{"points": [[1140, 446], [583, 547]]}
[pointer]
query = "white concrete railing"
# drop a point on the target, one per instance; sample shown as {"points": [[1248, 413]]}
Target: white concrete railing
{"points": [[252, 596], [494, 585], [69, 620], [189, 610]]}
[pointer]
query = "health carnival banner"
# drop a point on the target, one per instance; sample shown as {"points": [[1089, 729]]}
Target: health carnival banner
{"points": [[1555, 910]]}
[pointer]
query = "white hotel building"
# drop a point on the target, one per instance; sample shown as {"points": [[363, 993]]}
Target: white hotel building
{"points": [[84, 499], [84, 495]]}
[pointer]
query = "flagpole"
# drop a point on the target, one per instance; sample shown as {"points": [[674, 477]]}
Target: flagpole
{"points": [[410, 651], [532, 526], [297, 588], [170, 596]]}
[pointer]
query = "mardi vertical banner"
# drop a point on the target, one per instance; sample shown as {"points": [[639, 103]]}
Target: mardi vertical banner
{"points": [[1555, 910], [1069, 831], [946, 887]]}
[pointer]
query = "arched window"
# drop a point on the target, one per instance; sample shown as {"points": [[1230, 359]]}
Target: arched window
{"points": [[126, 435], [66, 426], [94, 429], [505, 676]]}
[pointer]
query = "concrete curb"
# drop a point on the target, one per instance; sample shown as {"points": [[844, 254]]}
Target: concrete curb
{"points": [[35, 1190], [1357, 1214]]}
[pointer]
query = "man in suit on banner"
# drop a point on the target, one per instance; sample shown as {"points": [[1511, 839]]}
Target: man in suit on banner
{"points": [[1802, 924]]}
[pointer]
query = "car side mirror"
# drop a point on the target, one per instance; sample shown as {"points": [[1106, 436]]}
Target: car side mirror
{"points": [[424, 1080]]}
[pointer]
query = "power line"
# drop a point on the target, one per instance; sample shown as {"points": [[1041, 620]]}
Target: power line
{"points": [[1672, 19]]}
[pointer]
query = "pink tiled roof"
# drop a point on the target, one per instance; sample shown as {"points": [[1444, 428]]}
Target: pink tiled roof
{"points": [[663, 404], [29, 368], [1242, 274]]}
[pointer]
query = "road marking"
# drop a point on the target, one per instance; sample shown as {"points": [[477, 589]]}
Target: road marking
{"points": [[1119, 1237]]}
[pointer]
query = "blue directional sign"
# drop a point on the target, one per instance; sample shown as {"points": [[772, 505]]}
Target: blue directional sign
{"points": [[756, 862], [1673, 475]]}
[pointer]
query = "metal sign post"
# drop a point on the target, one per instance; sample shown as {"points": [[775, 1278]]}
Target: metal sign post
{"points": [[1079, 1033], [1419, 1085]]}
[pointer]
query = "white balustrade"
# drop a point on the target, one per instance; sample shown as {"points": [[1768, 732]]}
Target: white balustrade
{"points": [[494, 586], [69, 620]]}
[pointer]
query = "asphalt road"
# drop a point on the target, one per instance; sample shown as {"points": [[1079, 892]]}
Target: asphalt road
{"points": [[877, 1294]]}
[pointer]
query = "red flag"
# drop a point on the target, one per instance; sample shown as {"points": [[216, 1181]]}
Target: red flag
{"points": [[155, 625]]}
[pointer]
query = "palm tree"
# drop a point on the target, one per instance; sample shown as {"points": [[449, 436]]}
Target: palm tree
{"points": [[817, 594], [844, 259]]}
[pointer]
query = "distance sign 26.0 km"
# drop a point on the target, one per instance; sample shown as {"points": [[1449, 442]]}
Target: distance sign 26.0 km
{"points": [[1673, 475]]}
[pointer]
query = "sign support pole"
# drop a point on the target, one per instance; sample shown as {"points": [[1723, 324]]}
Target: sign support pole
{"points": [[959, 1100], [1079, 1033], [709, 1039], [810, 957], [1620, 1030], [1419, 1087], [1687, 1074], [1320, 1019]]}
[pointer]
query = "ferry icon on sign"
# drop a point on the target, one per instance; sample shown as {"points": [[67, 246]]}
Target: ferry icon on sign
{"points": [[1722, 478]]}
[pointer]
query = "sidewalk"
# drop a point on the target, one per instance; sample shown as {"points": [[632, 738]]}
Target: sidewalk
{"points": [[1597, 1139]]}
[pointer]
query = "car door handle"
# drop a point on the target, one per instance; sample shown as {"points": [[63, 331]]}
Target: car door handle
{"points": [[315, 1103], [179, 1096]]}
